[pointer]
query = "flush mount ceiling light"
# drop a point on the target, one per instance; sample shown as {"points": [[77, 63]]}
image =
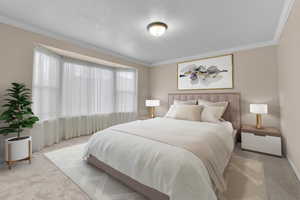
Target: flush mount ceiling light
{"points": [[157, 28]]}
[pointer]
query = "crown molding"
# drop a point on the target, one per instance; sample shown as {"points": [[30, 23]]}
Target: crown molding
{"points": [[35, 29], [216, 53], [288, 5]]}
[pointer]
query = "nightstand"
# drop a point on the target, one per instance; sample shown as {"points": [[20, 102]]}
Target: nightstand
{"points": [[265, 140]]}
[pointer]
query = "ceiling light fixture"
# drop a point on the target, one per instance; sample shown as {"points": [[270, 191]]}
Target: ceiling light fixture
{"points": [[157, 28]]}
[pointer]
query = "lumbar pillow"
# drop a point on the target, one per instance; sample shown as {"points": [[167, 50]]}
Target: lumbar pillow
{"points": [[185, 112]]}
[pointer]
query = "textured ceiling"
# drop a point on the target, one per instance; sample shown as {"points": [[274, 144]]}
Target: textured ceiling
{"points": [[195, 26]]}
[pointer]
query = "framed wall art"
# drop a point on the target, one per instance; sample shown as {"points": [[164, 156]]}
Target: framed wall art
{"points": [[206, 74]]}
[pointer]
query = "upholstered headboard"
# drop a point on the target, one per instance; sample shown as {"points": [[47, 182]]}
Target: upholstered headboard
{"points": [[233, 112]]}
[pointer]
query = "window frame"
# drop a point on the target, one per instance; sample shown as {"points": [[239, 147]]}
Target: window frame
{"points": [[64, 59]]}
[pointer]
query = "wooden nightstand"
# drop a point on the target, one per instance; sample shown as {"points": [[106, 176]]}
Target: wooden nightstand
{"points": [[264, 140]]}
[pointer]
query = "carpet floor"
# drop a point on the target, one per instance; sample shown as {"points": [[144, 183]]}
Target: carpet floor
{"points": [[60, 173], [245, 177]]}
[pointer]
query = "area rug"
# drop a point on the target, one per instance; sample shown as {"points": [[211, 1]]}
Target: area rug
{"points": [[244, 177]]}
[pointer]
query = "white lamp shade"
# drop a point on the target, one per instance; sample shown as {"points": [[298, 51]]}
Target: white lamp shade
{"points": [[259, 108], [152, 103]]}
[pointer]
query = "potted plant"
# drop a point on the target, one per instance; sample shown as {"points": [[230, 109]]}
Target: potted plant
{"points": [[17, 116]]}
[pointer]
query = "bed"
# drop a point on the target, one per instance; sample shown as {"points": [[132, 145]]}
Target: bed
{"points": [[169, 159]]}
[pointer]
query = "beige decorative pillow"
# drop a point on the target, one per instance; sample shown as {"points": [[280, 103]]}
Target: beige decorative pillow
{"points": [[222, 104], [212, 114], [188, 102], [185, 112]]}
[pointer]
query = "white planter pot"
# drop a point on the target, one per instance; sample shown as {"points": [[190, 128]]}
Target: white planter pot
{"points": [[18, 149]]}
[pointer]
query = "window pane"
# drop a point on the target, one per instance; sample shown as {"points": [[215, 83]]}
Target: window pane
{"points": [[46, 83], [126, 91], [68, 87], [87, 90]]}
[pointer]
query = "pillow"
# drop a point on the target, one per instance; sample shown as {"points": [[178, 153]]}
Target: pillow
{"points": [[212, 114], [222, 104], [185, 112], [188, 102]]}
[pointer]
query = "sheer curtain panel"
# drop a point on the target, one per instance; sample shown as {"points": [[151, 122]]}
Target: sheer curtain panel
{"points": [[46, 85], [74, 98]]}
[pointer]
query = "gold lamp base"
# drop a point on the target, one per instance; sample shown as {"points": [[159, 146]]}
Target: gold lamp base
{"points": [[151, 112], [258, 121]]}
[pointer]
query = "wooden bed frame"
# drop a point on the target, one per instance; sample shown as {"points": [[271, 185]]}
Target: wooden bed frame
{"points": [[232, 114]]}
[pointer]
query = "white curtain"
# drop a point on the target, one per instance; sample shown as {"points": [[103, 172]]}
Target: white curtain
{"points": [[46, 85], [75, 98], [87, 89], [126, 99]]}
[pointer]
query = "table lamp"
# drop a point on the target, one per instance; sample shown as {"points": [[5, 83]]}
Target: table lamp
{"points": [[152, 104], [259, 109]]}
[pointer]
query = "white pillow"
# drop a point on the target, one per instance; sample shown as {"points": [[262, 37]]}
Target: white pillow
{"points": [[185, 112], [188, 102], [212, 114], [222, 104]]}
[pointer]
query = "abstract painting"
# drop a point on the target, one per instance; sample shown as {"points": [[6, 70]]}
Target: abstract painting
{"points": [[207, 73]]}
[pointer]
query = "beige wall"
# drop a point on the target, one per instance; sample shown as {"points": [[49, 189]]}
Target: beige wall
{"points": [[16, 61], [16, 58], [289, 84], [255, 77]]}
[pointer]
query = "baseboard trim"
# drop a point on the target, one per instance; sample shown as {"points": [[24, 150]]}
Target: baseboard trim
{"points": [[294, 168]]}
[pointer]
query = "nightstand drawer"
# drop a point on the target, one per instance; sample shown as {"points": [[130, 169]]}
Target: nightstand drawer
{"points": [[259, 143]]}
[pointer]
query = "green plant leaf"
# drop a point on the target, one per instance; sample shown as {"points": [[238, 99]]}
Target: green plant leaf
{"points": [[7, 130], [17, 112]]}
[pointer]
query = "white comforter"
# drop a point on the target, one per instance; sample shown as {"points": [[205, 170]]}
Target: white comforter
{"points": [[169, 169]]}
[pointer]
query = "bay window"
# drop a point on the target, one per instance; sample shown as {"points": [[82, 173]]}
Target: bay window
{"points": [[65, 87], [74, 97]]}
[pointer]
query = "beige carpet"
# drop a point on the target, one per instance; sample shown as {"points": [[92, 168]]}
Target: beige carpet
{"points": [[42, 180], [245, 180], [245, 177]]}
